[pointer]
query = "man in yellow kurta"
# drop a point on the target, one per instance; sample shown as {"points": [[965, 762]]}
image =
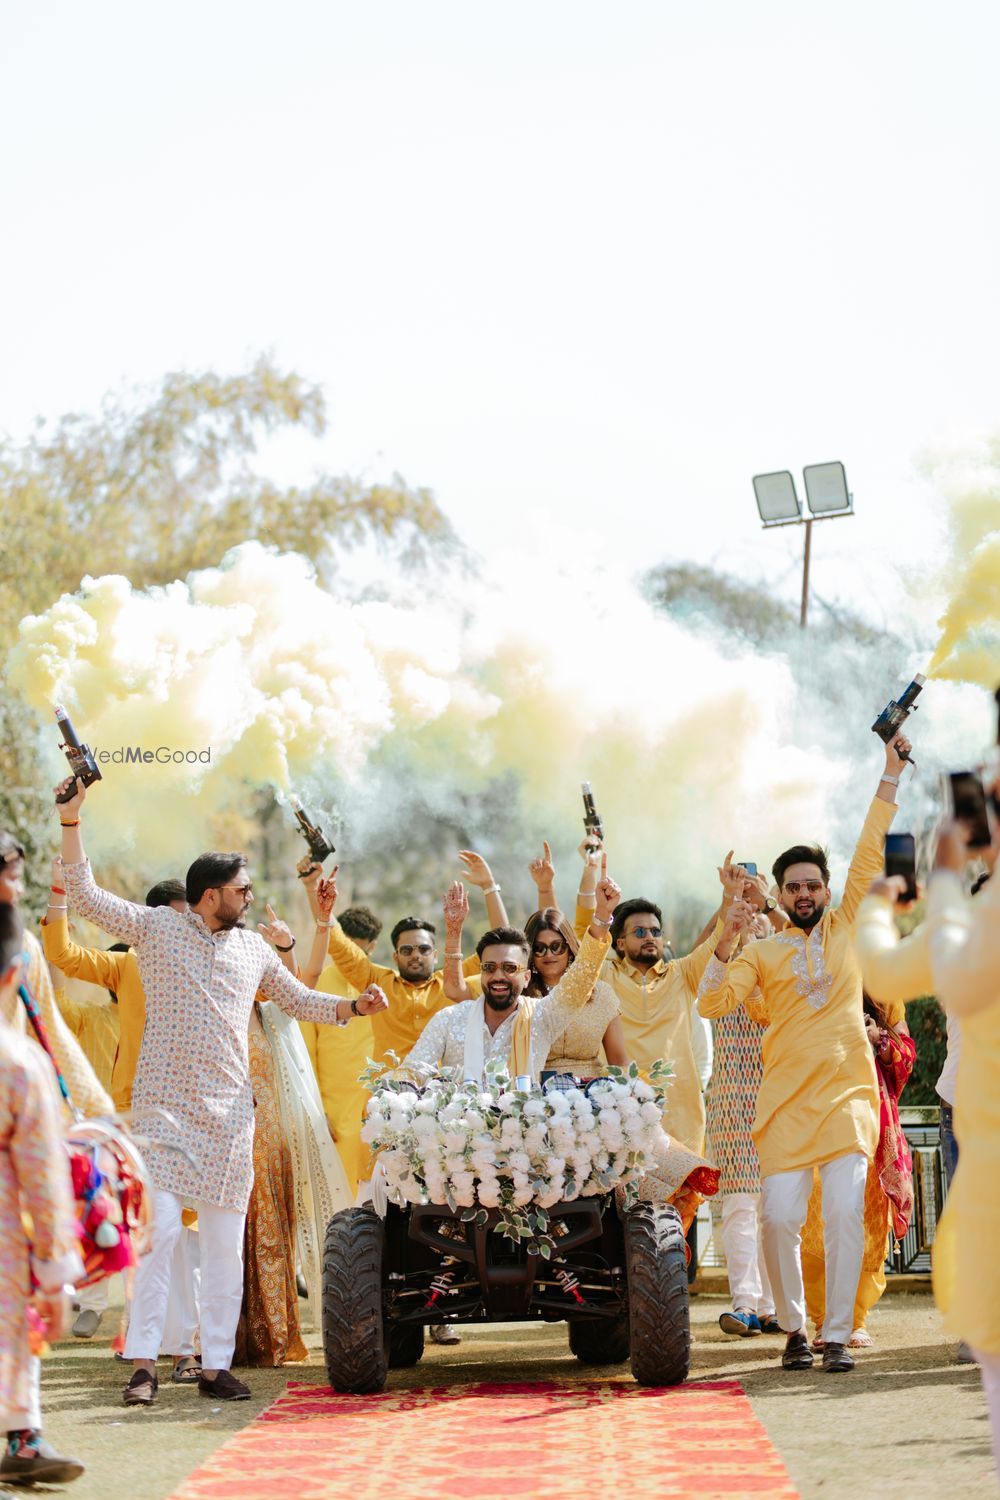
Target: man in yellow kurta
{"points": [[339, 1054], [657, 997], [818, 1100]]}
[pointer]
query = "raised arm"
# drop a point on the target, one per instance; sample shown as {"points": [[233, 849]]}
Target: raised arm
{"points": [[725, 984], [963, 935], [355, 965], [91, 964], [555, 1011], [292, 996], [543, 872], [894, 969], [125, 919], [456, 910], [321, 902], [590, 851], [478, 873], [869, 855]]}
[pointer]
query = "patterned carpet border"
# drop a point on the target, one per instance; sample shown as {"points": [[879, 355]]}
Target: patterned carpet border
{"points": [[523, 1441]]}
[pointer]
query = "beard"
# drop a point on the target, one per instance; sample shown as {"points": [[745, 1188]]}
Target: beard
{"points": [[227, 922], [806, 921], [502, 1001]]}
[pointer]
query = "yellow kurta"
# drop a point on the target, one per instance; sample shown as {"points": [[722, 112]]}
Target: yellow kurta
{"points": [[966, 1268], [95, 1026], [656, 1006], [86, 1091], [115, 971], [818, 1098], [410, 1005], [893, 969], [339, 1054]]}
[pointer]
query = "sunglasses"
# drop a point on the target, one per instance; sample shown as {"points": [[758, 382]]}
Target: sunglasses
{"points": [[246, 891], [558, 945], [812, 886], [411, 948], [643, 932], [508, 968]]}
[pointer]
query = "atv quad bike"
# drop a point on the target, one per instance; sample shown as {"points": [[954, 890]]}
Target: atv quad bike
{"points": [[618, 1278]]}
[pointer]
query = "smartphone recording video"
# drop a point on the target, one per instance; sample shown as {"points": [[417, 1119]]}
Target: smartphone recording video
{"points": [[901, 859], [967, 801], [748, 865]]}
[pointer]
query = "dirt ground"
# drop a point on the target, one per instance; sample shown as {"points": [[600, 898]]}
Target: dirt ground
{"points": [[908, 1422]]}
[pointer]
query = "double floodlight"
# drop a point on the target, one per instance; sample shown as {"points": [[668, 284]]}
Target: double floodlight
{"points": [[826, 493]]}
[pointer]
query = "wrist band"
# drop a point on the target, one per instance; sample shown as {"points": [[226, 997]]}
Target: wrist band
{"points": [[324, 924], [892, 780], [279, 949], [354, 1008], [491, 890], [453, 954], [57, 890], [599, 922], [74, 824], [55, 906]]}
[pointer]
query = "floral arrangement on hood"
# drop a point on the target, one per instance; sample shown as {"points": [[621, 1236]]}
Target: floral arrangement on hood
{"points": [[511, 1146]]}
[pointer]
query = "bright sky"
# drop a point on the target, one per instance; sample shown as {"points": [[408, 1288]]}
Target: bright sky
{"points": [[566, 263]]}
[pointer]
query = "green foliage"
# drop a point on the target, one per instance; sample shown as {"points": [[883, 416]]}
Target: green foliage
{"points": [[926, 1021]]}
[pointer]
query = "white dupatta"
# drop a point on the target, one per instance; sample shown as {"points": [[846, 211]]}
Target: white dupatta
{"points": [[321, 1186]]}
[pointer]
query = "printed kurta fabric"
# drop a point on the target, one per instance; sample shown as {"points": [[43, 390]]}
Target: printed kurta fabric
{"points": [[114, 971], [411, 1006], [269, 1331], [34, 1178], [579, 1049], [199, 986], [819, 1096], [81, 1080], [732, 1101]]}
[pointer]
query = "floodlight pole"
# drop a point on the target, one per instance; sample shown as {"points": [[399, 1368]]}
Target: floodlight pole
{"points": [[804, 612]]}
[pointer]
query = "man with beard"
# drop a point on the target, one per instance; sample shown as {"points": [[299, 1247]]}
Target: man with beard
{"points": [[201, 971], [818, 1104]]}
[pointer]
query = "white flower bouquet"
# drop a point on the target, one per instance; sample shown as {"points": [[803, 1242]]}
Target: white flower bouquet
{"points": [[515, 1149]]}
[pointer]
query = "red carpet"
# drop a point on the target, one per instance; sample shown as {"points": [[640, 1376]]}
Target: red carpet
{"points": [[498, 1442]]}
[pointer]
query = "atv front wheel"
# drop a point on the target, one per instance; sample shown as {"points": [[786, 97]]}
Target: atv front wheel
{"points": [[659, 1321]]}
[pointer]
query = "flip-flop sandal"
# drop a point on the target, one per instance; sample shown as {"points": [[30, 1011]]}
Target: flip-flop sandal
{"points": [[186, 1372], [860, 1339]]}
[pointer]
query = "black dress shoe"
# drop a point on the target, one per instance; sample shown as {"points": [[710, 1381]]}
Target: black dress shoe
{"points": [[225, 1387], [836, 1359], [797, 1355], [141, 1389]]}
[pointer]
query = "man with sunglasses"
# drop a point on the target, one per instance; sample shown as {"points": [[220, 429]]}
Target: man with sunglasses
{"points": [[201, 971], [818, 1103]]}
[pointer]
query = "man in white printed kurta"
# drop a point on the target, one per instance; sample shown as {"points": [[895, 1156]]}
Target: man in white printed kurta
{"points": [[201, 970]]}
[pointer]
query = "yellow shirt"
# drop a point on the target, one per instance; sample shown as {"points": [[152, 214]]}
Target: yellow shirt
{"points": [[339, 1054], [115, 971], [656, 1006], [95, 1026], [964, 941], [819, 1095], [410, 1005]]}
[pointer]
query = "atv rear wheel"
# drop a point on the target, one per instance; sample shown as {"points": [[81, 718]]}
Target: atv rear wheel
{"points": [[355, 1335], [406, 1345], [659, 1322], [599, 1341]]}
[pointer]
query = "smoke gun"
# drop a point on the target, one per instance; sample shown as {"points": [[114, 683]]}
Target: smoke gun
{"points": [[80, 757], [314, 836], [895, 714], [591, 817]]}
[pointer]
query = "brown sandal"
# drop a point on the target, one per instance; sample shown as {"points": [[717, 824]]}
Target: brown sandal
{"points": [[186, 1371]]}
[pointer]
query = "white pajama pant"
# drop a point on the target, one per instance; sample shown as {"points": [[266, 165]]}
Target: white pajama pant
{"points": [[180, 1327], [94, 1298], [749, 1284], [784, 1204], [16, 1419], [220, 1234], [989, 1366]]}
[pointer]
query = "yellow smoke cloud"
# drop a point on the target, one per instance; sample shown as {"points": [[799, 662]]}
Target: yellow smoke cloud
{"points": [[969, 646]]}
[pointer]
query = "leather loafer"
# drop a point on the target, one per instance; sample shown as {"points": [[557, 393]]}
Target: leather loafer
{"points": [[141, 1389], [223, 1387], [37, 1462], [836, 1359], [797, 1354]]}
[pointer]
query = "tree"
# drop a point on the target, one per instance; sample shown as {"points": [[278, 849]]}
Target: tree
{"points": [[158, 484]]}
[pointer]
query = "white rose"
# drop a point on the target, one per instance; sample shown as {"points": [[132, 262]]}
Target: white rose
{"points": [[643, 1090], [651, 1113], [534, 1109], [520, 1161], [522, 1196], [489, 1194]]}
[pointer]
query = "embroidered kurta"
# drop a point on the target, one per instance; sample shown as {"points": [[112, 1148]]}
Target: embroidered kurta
{"points": [[818, 1098], [194, 1061], [410, 1005], [34, 1179], [656, 1006], [732, 1101], [79, 1075], [442, 1043], [115, 971]]}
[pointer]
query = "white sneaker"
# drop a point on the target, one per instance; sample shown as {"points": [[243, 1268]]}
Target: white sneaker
{"points": [[443, 1333]]}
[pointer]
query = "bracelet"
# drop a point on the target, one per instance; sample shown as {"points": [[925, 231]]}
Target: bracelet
{"points": [[354, 1007], [453, 954], [324, 924], [57, 906], [57, 890], [278, 948], [892, 780], [599, 922], [75, 824], [491, 890]]}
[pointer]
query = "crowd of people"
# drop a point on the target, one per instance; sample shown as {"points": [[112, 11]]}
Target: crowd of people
{"points": [[238, 1057]]}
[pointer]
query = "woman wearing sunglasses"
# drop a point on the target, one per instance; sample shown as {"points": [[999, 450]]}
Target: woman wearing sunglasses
{"points": [[595, 1039]]}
